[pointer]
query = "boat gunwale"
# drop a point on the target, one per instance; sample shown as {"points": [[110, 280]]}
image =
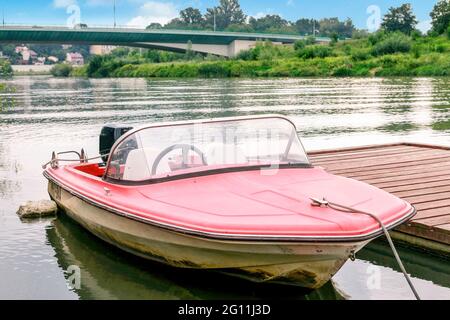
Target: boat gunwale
{"points": [[232, 237]]}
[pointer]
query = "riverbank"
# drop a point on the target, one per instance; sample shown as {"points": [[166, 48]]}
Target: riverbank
{"points": [[30, 70], [378, 55]]}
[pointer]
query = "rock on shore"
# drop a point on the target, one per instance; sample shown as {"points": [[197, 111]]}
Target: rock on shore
{"points": [[37, 209]]}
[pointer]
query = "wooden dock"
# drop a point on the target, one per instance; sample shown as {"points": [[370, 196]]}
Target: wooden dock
{"points": [[418, 173]]}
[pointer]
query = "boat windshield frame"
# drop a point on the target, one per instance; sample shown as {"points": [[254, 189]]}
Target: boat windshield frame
{"points": [[212, 171]]}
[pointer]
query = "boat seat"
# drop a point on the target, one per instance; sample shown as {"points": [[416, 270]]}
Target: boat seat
{"points": [[139, 164], [219, 153]]}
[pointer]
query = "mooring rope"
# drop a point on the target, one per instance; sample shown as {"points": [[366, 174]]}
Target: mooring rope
{"points": [[343, 208]]}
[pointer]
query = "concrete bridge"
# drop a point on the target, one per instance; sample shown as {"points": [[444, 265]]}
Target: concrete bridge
{"points": [[227, 44]]}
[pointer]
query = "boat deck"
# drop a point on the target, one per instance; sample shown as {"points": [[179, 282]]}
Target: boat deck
{"points": [[417, 173]]}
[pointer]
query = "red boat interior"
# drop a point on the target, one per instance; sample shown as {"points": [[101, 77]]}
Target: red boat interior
{"points": [[94, 169]]}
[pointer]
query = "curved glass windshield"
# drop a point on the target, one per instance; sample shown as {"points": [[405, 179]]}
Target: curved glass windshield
{"points": [[166, 151]]}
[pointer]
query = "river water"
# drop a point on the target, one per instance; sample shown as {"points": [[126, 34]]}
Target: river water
{"points": [[42, 114]]}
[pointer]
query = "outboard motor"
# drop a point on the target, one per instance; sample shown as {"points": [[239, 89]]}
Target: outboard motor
{"points": [[109, 135]]}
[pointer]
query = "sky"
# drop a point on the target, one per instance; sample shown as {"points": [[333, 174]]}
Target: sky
{"points": [[139, 13]]}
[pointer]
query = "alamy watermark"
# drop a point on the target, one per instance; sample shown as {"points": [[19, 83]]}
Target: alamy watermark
{"points": [[374, 277], [74, 19], [74, 277], [373, 22]]}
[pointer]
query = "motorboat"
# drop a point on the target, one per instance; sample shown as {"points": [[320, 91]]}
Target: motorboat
{"points": [[234, 195]]}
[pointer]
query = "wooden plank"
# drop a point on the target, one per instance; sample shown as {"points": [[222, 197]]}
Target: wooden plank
{"points": [[445, 227], [434, 221], [394, 172], [383, 185], [367, 147], [408, 177], [381, 157], [401, 163], [422, 191], [432, 213], [433, 204], [362, 155], [418, 173], [418, 186], [427, 198], [332, 154], [380, 146], [431, 233]]}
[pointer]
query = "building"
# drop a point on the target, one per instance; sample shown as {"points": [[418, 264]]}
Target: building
{"points": [[53, 59], [27, 54], [101, 50], [74, 58], [40, 61], [19, 49]]}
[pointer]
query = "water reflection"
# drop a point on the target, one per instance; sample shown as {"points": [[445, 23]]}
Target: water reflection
{"points": [[59, 114], [419, 264], [7, 100], [109, 273]]}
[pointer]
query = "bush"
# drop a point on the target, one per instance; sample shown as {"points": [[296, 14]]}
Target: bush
{"points": [[61, 70], [416, 34], [394, 43], [316, 51], [246, 55], [214, 70], [104, 66], [6, 70], [310, 40], [299, 45], [360, 55], [343, 71], [376, 37]]}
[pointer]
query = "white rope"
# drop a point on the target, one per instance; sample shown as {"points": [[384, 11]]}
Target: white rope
{"points": [[343, 208]]}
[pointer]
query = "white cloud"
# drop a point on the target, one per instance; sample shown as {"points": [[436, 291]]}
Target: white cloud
{"points": [[63, 3], [154, 12], [260, 15], [424, 26]]}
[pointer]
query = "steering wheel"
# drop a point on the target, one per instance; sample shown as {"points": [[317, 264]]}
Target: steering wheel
{"points": [[185, 151]]}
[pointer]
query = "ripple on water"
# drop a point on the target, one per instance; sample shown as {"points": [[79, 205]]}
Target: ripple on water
{"points": [[59, 114]]}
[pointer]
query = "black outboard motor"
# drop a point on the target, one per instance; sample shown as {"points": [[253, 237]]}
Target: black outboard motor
{"points": [[109, 135]]}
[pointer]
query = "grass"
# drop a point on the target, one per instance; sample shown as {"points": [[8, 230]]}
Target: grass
{"points": [[377, 55]]}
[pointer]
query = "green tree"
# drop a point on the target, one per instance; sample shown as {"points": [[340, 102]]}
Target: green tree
{"points": [[400, 19], [306, 26], [175, 23], [441, 16], [268, 22], [61, 70], [154, 26], [191, 16], [227, 13], [331, 26], [240, 28]]}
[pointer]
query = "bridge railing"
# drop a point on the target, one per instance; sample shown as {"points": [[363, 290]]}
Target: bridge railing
{"points": [[128, 28]]}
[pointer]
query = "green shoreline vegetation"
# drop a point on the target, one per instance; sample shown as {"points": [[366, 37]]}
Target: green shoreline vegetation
{"points": [[381, 54], [397, 49]]}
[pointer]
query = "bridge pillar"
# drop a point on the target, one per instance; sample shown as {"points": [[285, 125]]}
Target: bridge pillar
{"points": [[241, 45], [224, 50]]}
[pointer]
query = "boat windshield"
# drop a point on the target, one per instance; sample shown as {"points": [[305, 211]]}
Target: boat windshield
{"points": [[165, 151]]}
